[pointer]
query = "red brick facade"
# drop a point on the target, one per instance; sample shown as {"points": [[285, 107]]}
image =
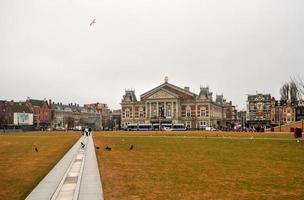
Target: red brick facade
{"points": [[42, 112]]}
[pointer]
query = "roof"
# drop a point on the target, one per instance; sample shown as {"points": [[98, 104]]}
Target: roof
{"points": [[36, 102], [21, 107], [266, 97], [131, 95]]}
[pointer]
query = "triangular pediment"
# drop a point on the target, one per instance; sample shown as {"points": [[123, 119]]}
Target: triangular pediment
{"points": [[170, 89], [162, 94]]}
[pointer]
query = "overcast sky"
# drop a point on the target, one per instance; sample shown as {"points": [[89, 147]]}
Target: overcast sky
{"points": [[236, 47]]}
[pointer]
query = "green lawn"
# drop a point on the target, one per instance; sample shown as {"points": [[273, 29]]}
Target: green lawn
{"points": [[21, 168], [199, 168]]}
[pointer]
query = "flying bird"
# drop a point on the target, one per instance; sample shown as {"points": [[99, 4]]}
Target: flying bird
{"points": [[93, 22]]}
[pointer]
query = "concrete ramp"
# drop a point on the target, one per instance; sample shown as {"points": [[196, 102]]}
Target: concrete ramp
{"points": [[76, 176]]}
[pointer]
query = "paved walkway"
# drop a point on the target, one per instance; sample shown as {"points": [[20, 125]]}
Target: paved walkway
{"points": [[75, 177]]}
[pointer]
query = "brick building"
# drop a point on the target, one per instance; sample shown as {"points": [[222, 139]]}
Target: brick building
{"points": [[15, 115], [42, 112], [282, 112], [300, 110], [6, 113], [258, 110], [229, 111], [168, 103]]}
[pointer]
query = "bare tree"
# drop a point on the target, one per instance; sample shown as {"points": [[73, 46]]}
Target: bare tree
{"points": [[292, 90], [285, 92], [300, 84]]}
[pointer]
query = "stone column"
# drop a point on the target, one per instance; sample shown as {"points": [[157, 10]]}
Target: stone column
{"points": [[146, 111], [176, 104], [150, 110], [165, 109], [196, 115], [157, 110], [172, 110]]}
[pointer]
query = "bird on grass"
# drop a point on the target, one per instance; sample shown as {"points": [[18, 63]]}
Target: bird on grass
{"points": [[97, 147], [36, 149], [93, 22], [108, 148], [131, 147]]}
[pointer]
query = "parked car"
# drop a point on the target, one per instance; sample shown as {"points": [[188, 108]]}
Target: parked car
{"points": [[210, 129], [59, 129]]}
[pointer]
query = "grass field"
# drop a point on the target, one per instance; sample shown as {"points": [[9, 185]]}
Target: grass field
{"points": [[21, 168], [221, 167]]}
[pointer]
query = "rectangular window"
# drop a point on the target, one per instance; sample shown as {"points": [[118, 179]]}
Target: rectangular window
{"points": [[203, 112], [188, 124], [141, 114], [188, 113], [169, 113], [203, 123], [127, 114]]}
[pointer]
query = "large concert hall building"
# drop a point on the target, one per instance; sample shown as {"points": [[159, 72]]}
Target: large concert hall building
{"points": [[168, 103]]}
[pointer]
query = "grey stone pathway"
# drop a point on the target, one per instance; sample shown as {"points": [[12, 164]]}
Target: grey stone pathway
{"points": [[75, 177]]}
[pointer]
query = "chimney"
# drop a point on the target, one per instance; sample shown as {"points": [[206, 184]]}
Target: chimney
{"points": [[187, 88]]}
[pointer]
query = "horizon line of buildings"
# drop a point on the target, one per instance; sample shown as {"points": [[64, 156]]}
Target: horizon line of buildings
{"points": [[164, 104], [170, 104], [34, 114]]}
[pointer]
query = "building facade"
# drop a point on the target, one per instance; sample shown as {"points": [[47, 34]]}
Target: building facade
{"points": [[105, 113], [241, 119], [229, 112], [6, 114], [282, 112], [72, 115], [168, 103], [42, 112], [300, 110], [115, 118], [258, 111], [15, 115]]}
